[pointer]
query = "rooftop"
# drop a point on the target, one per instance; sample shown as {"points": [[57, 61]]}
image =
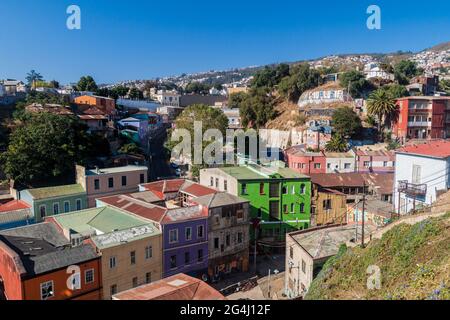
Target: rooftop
{"points": [[160, 188], [432, 149], [41, 248], [339, 155], [14, 205], [178, 287], [301, 150], [384, 181], [324, 242], [95, 172], [219, 199], [256, 172], [54, 192]]}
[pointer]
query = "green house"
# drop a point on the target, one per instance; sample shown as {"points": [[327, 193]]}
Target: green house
{"points": [[51, 201], [279, 197]]}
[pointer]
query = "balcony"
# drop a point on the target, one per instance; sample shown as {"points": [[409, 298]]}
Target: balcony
{"points": [[412, 189]]}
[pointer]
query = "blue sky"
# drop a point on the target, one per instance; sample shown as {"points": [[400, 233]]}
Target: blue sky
{"points": [[143, 39]]}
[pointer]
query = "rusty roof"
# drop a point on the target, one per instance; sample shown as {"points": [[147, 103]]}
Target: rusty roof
{"points": [[178, 287]]}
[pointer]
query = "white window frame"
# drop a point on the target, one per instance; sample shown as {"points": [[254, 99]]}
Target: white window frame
{"points": [[45, 210], [81, 204], [86, 274], [186, 233], [59, 211], [52, 291], [66, 202], [148, 252], [112, 262]]}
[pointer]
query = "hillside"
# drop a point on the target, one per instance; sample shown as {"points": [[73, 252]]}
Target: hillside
{"points": [[414, 262]]}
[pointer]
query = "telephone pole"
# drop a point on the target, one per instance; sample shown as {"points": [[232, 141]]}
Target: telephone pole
{"points": [[363, 209]]}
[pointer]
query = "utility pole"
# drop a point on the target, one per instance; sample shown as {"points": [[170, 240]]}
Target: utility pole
{"points": [[256, 244], [363, 209], [268, 287]]}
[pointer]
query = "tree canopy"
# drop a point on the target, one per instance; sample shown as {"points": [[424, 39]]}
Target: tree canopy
{"points": [[300, 79], [270, 76], [357, 83], [47, 146], [87, 83], [381, 104], [33, 76], [346, 122], [405, 70], [197, 88], [257, 108]]}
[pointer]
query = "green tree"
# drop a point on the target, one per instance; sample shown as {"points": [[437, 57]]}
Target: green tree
{"points": [[382, 105], [130, 148], [87, 83], [235, 100], [270, 76], [135, 94], [346, 122], [396, 91], [301, 78], [337, 143], [33, 76], [258, 108], [197, 88], [54, 84], [44, 147], [405, 70], [444, 85], [357, 84]]}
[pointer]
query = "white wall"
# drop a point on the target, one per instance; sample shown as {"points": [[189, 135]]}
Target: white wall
{"points": [[434, 173]]}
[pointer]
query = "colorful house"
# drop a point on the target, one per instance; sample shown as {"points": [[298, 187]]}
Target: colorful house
{"points": [[279, 197], [38, 263], [15, 213], [130, 246], [45, 202], [301, 160]]}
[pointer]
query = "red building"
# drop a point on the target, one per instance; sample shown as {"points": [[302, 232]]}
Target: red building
{"points": [[422, 118], [306, 162], [38, 263]]}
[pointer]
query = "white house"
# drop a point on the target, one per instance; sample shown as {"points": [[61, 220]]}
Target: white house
{"points": [[340, 162], [421, 175], [373, 70]]}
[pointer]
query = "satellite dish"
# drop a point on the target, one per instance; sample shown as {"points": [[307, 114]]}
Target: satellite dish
{"points": [[205, 277]]}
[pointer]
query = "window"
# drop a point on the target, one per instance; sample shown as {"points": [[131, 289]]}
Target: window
{"points": [[200, 232], [133, 257], [97, 184], [416, 174], [78, 204], [274, 190], [367, 164], [66, 206], [173, 262], [240, 237], [225, 185], [285, 208], [211, 182], [244, 188], [56, 208], [385, 164], [302, 189], [43, 211], [285, 190], [261, 188], [148, 277], [124, 181], [135, 282], [89, 276], [259, 214], [293, 190], [173, 236], [302, 208], [148, 252], [347, 165], [142, 178], [216, 243], [292, 208], [187, 258], [328, 165], [112, 262], [47, 291], [228, 240], [327, 204], [303, 266], [200, 255], [113, 289], [317, 166], [188, 234], [291, 253], [217, 183], [111, 183]]}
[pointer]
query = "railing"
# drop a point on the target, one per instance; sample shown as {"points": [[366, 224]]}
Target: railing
{"points": [[412, 189]]}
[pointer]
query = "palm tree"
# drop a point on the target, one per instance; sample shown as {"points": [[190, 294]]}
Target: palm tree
{"points": [[336, 144], [382, 105], [33, 76]]}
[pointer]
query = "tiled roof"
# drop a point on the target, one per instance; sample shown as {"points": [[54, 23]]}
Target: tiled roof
{"points": [[375, 153], [219, 199], [160, 188], [197, 190], [54, 192], [178, 287], [165, 186], [434, 149], [14, 205]]}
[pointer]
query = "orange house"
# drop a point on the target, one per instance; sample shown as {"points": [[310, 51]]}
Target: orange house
{"points": [[107, 105], [38, 263]]}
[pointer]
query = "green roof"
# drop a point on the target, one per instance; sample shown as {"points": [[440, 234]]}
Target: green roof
{"points": [[104, 220], [255, 172], [55, 192]]}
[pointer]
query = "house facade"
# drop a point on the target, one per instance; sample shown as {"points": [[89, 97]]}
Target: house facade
{"points": [[130, 247], [422, 118], [110, 181], [34, 262], [339, 162], [421, 175], [107, 105], [328, 206], [299, 159], [50, 201], [279, 198], [376, 161]]}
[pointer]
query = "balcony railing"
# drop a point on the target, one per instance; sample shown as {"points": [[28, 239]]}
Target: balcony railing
{"points": [[412, 189]]}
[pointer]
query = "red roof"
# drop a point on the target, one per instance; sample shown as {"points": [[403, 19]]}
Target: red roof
{"points": [[160, 188], [14, 205], [180, 287], [197, 190], [436, 149]]}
